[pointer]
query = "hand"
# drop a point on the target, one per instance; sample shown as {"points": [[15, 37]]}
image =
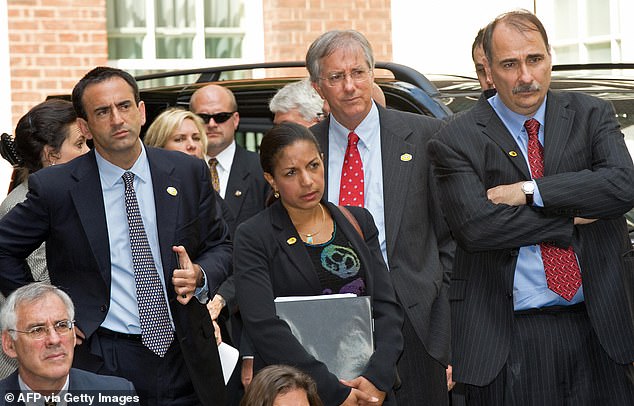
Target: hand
{"points": [[356, 397], [215, 305], [80, 336], [581, 221], [369, 394], [217, 333], [246, 375], [187, 278], [507, 194], [450, 382]]}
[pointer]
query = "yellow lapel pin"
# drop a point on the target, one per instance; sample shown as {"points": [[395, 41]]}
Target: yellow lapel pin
{"points": [[172, 191], [513, 153], [238, 193], [406, 157], [291, 241]]}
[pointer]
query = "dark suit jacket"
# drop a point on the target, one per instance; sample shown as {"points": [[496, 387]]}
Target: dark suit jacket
{"points": [[79, 382], [65, 208], [267, 265], [246, 195], [588, 173], [419, 246]]}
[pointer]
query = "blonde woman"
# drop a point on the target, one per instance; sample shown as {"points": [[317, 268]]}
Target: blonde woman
{"points": [[178, 130]]}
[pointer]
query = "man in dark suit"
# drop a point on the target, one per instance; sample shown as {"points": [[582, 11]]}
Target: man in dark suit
{"points": [[534, 184], [414, 239], [37, 330], [123, 217]]}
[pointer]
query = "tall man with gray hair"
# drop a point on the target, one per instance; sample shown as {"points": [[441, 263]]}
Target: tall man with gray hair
{"points": [[377, 158]]}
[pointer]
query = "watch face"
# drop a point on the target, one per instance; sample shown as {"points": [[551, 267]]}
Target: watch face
{"points": [[528, 187]]}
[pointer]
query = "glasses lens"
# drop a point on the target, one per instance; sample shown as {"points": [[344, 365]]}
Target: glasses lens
{"points": [[219, 118], [63, 327]]}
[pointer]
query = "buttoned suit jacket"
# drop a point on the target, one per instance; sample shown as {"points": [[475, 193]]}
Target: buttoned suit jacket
{"points": [[79, 382], [419, 245], [587, 173], [270, 260], [65, 208]]}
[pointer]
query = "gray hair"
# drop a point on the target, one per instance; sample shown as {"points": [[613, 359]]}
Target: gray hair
{"points": [[31, 293], [298, 95], [326, 44]]}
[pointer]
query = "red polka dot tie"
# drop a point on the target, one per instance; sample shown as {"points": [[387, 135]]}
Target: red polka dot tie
{"points": [[351, 185], [156, 329], [560, 265]]}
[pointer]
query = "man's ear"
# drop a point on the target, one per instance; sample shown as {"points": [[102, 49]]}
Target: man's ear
{"points": [[142, 111], [487, 71], [83, 127], [8, 345]]}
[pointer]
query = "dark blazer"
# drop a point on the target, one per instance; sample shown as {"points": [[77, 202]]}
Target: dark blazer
{"points": [[247, 189], [419, 246], [65, 208], [588, 173], [79, 382], [268, 265]]}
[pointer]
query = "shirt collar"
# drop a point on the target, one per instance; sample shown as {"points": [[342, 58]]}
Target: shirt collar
{"points": [[25, 388], [513, 120], [110, 173], [225, 157], [365, 130]]}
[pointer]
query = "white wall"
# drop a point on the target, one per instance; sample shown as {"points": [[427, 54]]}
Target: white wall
{"points": [[436, 36]]}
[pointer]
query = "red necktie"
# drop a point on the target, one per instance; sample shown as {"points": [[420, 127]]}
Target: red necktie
{"points": [[351, 185], [560, 265]]}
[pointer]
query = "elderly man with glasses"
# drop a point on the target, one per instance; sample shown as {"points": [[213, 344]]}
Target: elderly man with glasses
{"points": [[37, 330]]}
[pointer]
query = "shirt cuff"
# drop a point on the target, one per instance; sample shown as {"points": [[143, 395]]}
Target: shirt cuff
{"points": [[537, 197], [202, 293]]}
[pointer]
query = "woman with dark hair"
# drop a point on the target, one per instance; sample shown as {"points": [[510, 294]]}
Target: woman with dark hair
{"points": [[302, 245], [281, 385], [45, 136]]}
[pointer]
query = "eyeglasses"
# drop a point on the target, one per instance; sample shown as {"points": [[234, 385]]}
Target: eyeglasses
{"points": [[219, 118], [337, 78], [62, 328]]}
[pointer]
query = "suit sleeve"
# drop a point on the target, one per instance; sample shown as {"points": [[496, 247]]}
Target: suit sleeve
{"points": [[388, 314], [462, 162], [22, 230], [272, 338], [602, 185], [214, 254]]}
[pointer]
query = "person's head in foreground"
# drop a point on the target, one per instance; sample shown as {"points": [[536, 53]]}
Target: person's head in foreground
{"points": [[37, 329], [281, 385]]}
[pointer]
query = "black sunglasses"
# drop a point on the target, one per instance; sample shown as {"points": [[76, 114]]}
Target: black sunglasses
{"points": [[219, 118]]}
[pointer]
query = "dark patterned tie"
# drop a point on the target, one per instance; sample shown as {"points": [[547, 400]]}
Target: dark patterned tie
{"points": [[351, 185], [560, 265], [215, 180], [156, 328]]}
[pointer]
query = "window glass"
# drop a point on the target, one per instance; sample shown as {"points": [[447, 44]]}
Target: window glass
{"points": [[566, 54], [598, 17], [567, 19], [599, 52]]}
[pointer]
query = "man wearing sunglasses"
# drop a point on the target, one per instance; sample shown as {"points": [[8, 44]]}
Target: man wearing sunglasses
{"points": [[37, 329]]}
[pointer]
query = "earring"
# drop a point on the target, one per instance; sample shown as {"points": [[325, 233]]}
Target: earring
{"points": [[276, 194]]}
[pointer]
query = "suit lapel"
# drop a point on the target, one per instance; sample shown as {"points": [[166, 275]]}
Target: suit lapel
{"points": [[163, 178], [87, 197], [493, 128], [292, 244], [237, 182], [557, 126], [396, 171]]}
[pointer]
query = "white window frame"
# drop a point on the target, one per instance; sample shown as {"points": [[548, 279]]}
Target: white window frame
{"points": [[252, 43]]}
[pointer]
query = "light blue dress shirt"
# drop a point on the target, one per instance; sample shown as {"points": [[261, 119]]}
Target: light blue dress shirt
{"points": [[530, 289], [369, 132], [123, 313]]}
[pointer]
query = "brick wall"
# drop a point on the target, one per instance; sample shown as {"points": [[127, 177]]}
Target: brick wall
{"points": [[52, 43], [290, 26]]}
